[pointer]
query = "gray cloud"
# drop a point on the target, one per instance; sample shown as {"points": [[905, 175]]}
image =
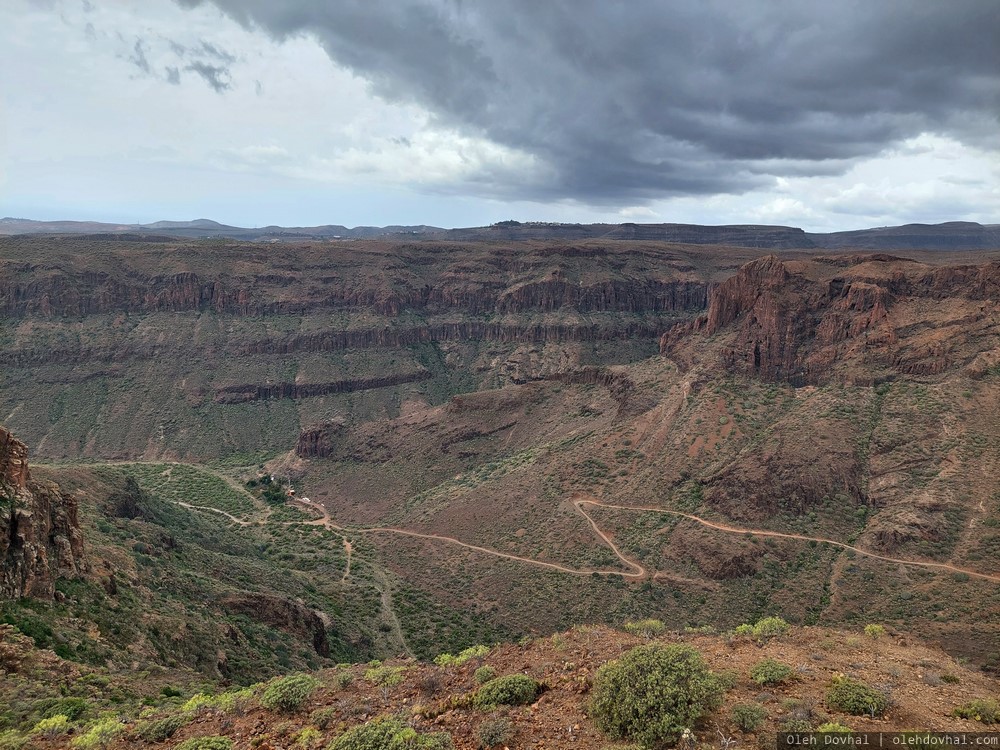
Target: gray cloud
{"points": [[215, 76], [138, 58], [646, 99], [173, 75]]}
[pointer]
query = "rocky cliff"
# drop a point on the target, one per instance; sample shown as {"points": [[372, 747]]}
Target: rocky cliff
{"points": [[869, 317], [40, 537]]}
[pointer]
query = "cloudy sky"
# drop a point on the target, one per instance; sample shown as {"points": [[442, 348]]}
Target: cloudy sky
{"points": [[837, 114]]}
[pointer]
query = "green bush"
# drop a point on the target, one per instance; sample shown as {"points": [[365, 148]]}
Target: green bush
{"points": [[52, 726], [769, 627], [389, 734], [512, 690], [648, 628], [343, 679], [855, 697], [215, 742], [289, 693], [73, 709], [833, 726], [653, 693], [770, 672], [324, 718], [748, 716], [484, 674], [11, 739], [100, 734], [874, 631], [161, 729], [308, 737], [493, 732], [986, 711], [472, 652]]}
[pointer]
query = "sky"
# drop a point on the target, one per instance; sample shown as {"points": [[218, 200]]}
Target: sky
{"points": [[830, 115]]}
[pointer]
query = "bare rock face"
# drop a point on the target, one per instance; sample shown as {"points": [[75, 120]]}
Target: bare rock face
{"points": [[40, 538], [875, 316]]}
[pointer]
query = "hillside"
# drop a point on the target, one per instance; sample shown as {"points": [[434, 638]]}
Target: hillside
{"points": [[925, 688], [489, 442]]}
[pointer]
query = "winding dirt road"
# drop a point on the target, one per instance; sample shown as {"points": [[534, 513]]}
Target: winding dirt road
{"points": [[637, 571]]}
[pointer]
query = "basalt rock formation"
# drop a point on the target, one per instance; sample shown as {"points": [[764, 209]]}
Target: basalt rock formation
{"points": [[870, 317], [40, 538]]}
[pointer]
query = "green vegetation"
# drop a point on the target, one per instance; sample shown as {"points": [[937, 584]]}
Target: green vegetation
{"points": [[770, 672], [653, 693], [768, 627], [832, 726], [511, 690], [289, 693], [389, 734], [748, 716], [52, 727], [855, 697], [648, 628], [213, 742], [101, 734], [161, 729], [985, 710], [495, 732], [484, 674], [472, 652], [874, 631]]}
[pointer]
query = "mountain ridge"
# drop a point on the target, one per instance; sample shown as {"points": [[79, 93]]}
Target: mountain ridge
{"points": [[950, 235]]}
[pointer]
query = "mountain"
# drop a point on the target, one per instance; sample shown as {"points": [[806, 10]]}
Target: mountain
{"points": [[284, 457], [952, 236]]}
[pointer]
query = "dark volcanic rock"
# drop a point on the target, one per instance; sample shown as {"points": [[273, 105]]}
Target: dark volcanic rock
{"points": [[284, 614]]}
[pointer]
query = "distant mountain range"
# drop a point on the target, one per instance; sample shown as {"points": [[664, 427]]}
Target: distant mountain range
{"points": [[952, 235]]}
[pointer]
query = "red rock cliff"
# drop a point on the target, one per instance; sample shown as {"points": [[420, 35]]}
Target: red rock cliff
{"points": [[873, 316], [40, 537]]}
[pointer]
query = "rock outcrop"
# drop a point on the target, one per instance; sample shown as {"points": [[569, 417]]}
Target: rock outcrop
{"points": [[40, 538], [292, 617], [797, 321]]}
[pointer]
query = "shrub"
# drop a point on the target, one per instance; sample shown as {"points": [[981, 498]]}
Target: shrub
{"points": [[389, 734], [52, 727], [11, 739], [653, 693], [214, 742], [343, 679], [493, 732], [748, 716], [874, 631], [832, 726], [770, 672], [472, 652], [385, 677], [308, 737], [855, 697], [950, 679], [161, 729], [289, 693], [512, 690], [986, 711], [100, 734], [769, 627], [648, 628], [324, 717], [72, 708], [485, 674], [792, 726]]}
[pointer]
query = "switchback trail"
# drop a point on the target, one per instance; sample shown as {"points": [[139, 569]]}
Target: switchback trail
{"points": [[636, 570], [800, 537]]}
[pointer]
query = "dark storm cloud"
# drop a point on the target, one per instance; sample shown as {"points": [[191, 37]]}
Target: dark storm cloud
{"points": [[215, 76], [642, 99]]}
